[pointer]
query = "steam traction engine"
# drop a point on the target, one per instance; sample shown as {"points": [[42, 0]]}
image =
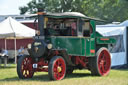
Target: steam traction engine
{"points": [[63, 43]]}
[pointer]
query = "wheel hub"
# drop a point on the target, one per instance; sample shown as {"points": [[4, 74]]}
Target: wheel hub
{"points": [[59, 69], [102, 62]]}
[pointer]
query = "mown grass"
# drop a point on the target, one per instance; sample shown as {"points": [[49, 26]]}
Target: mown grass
{"points": [[8, 76]]}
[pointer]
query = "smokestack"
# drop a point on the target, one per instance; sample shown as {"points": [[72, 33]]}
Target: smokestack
{"points": [[41, 21]]}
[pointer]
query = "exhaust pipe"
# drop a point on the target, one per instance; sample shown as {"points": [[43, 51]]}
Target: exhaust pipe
{"points": [[41, 21]]}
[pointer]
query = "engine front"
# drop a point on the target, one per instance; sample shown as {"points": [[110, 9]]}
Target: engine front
{"points": [[38, 48]]}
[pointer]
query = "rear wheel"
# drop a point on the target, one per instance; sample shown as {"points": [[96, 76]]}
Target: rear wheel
{"points": [[100, 64], [24, 67], [57, 68]]}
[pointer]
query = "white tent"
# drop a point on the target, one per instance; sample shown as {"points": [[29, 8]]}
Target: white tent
{"points": [[119, 57], [10, 28], [125, 23]]}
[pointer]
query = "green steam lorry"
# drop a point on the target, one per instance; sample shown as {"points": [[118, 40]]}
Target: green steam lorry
{"points": [[65, 42]]}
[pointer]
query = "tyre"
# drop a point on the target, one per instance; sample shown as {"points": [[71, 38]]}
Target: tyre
{"points": [[57, 68], [100, 65], [24, 67]]}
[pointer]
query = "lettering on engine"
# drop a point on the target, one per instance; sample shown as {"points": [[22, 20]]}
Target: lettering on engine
{"points": [[37, 43]]}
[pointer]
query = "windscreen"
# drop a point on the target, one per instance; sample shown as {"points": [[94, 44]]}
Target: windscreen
{"points": [[60, 27]]}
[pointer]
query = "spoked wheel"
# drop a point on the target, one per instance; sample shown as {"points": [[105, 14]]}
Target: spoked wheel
{"points": [[101, 64], [24, 67], [57, 68]]}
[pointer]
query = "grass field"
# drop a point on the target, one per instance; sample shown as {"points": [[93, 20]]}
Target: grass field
{"points": [[8, 76]]}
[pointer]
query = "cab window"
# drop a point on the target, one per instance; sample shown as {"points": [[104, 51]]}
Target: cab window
{"points": [[60, 27], [87, 29]]}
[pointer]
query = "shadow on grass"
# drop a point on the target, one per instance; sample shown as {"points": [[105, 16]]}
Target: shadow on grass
{"points": [[35, 78], [6, 67], [120, 67], [45, 77], [78, 75]]}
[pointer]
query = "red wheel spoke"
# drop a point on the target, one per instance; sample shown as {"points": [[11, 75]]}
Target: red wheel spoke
{"points": [[59, 63], [103, 70], [56, 75], [23, 69], [60, 75], [102, 57], [25, 72], [55, 70]]}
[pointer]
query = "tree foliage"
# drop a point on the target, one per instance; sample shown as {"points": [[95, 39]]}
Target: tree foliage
{"points": [[110, 10]]}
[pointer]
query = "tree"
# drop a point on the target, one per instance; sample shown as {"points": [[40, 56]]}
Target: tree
{"points": [[52, 5], [23, 10], [109, 10]]}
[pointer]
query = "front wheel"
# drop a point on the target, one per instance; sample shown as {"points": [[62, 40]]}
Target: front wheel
{"points": [[57, 68], [100, 64], [24, 67]]}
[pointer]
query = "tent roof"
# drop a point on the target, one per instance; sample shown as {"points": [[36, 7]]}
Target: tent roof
{"points": [[125, 23], [13, 28], [107, 30], [112, 29]]}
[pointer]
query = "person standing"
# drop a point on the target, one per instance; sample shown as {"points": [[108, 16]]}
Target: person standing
{"points": [[4, 56], [20, 52]]}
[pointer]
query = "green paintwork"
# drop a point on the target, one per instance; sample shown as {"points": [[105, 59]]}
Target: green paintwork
{"points": [[92, 22], [98, 34], [73, 45], [77, 46], [90, 45], [87, 50]]}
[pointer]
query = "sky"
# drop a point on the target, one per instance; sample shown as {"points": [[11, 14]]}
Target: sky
{"points": [[11, 7]]}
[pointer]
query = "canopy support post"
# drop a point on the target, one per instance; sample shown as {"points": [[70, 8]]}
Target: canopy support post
{"points": [[5, 42], [15, 50]]}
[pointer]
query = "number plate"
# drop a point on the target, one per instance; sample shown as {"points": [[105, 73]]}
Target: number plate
{"points": [[34, 65]]}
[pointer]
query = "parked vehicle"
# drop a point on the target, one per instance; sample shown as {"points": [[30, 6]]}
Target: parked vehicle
{"points": [[65, 42]]}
